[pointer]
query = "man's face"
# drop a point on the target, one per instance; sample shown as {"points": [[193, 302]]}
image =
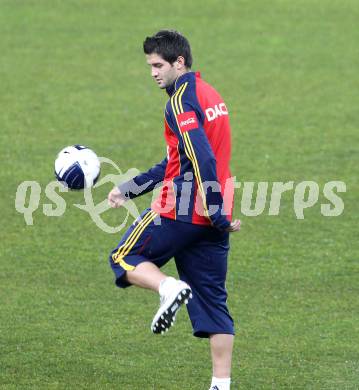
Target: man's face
{"points": [[162, 71]]}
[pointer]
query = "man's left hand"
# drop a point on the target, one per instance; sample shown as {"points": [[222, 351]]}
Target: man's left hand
{"points": [[234, 226]]}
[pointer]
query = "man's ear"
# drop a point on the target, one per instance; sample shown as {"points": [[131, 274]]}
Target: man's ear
{"points": [[180, 63]]}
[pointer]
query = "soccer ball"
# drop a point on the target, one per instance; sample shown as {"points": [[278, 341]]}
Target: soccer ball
{"points": [[77, 167]]}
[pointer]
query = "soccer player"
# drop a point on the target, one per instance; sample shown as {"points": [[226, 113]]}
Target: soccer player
{"points": [[190, 221]]}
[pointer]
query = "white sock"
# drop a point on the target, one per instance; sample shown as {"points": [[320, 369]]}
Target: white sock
{"points": [[166, 284], [221, 383]]}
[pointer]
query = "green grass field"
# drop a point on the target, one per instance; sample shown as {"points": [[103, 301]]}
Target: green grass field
{"points": [[73, 72]]}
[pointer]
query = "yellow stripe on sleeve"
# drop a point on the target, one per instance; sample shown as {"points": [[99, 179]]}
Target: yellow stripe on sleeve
{"points": [[174, 101], [188, 142], [175, 109], [180, 94], [189, 147]]}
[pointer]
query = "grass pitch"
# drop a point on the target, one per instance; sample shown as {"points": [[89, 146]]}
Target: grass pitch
{"points": [[74, 72]]}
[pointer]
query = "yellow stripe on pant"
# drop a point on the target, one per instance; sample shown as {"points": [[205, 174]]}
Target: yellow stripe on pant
{"points": [[131, 240]]}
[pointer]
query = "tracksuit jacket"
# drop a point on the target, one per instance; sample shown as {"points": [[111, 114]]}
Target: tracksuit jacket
{"points": [[196, 183]]}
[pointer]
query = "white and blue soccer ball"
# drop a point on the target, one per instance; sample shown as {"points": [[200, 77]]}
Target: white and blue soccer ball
{"points": [[77, 166]]}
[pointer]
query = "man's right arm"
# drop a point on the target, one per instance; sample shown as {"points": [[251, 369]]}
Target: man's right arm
{"points": [[144, 182]]}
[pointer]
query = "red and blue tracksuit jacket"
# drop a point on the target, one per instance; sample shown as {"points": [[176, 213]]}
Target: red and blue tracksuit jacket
{"points": [[197, 186]]}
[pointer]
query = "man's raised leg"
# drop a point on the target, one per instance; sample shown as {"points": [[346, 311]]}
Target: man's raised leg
{"points": [[173, 293], [146, 275]]}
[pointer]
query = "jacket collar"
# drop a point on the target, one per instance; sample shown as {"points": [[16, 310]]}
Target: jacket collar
{"points": [[181, 80]]}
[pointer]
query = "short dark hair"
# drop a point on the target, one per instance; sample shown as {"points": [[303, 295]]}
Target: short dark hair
{"points": [[169, 44]]}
